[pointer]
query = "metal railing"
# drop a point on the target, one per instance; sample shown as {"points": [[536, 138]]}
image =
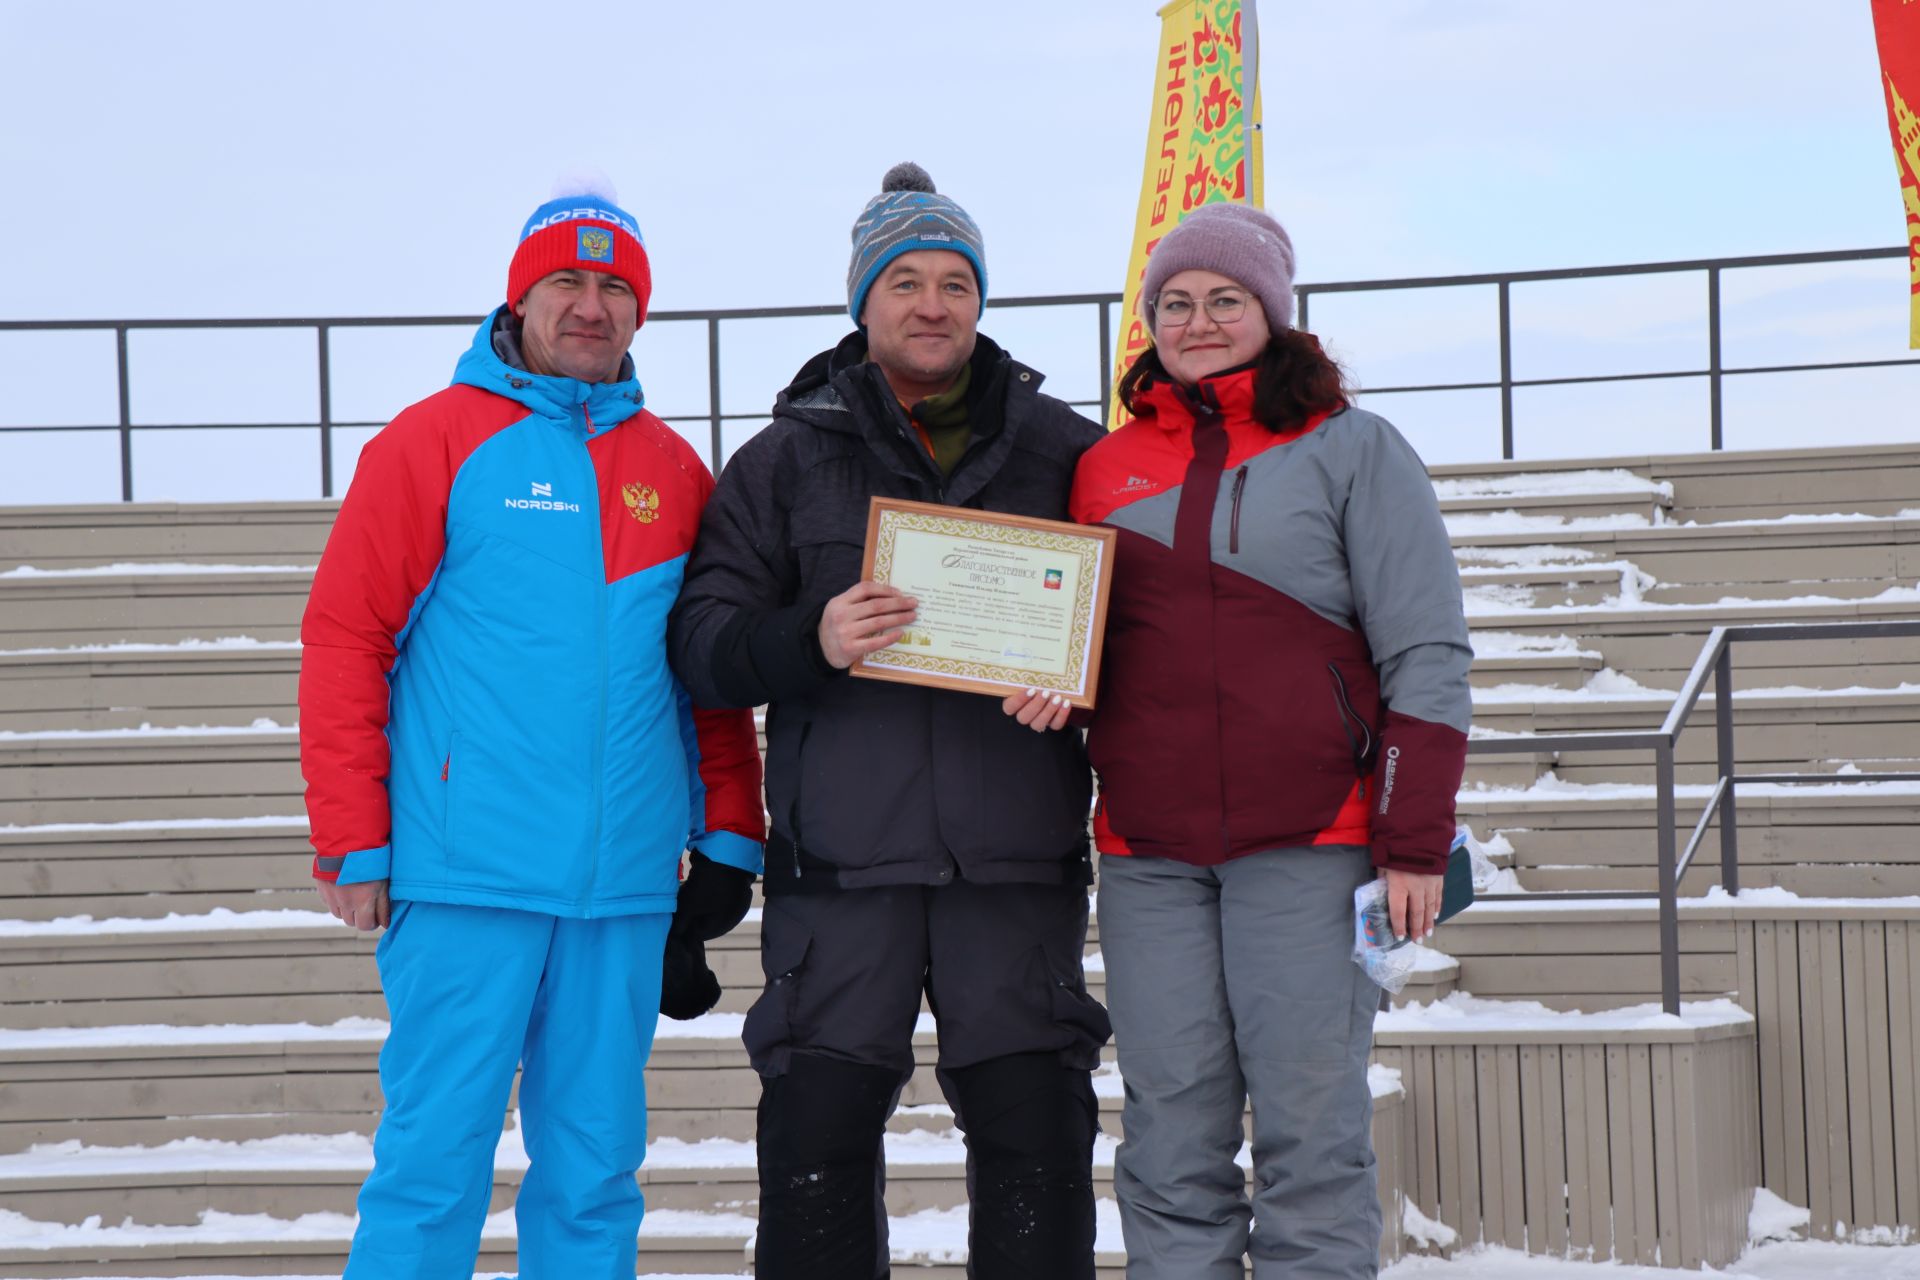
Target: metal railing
{"points": [[1715, 372], [716, 417], [1715, 661]]}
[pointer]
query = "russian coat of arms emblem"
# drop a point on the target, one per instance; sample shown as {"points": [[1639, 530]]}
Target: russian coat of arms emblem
{"points": [[643, 502], [596, 245]]}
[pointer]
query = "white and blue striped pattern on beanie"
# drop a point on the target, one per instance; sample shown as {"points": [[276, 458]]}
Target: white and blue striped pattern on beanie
{"points": [[909, 214]]}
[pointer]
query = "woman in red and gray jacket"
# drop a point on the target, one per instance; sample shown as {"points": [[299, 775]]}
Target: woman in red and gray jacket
{"points": [[1282, 715]]}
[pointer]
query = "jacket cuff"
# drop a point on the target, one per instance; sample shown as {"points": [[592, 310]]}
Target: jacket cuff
{"points": [[1416, 780], [1417, 861], [357, 867], [732, 849]]}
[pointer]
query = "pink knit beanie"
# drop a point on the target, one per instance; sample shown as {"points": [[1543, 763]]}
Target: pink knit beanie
{"points": [[1237, 240]]}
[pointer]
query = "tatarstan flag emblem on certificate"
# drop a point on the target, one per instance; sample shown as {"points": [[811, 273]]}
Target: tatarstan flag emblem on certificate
{"points": [[1896, 25]]}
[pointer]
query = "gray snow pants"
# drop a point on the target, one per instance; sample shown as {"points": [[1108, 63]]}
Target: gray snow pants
{"points": [[1228, 983]]}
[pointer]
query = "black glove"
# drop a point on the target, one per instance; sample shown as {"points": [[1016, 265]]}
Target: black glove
{"points": [[713, 898], [687, 987]]}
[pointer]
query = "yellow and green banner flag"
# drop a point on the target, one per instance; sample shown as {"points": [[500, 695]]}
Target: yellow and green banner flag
{"points": [[1203, 141], [1896, 24]]}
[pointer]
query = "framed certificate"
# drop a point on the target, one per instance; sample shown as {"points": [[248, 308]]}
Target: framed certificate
{"points": [[1006, 602]]}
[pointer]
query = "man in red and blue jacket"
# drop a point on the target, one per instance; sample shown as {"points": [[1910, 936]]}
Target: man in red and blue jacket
{"points": [[503, 772]]}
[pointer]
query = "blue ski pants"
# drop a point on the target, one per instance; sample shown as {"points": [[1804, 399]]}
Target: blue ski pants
{"points": [[471, 993]]}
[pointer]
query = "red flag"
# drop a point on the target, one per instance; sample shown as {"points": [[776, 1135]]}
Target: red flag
{"points": [[1896, 24]]}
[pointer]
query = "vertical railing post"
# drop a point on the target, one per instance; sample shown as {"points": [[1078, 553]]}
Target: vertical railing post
{"points": [[1669, 881], [326, 417], [1713, 355], [126, 416], [713, 388], [1723, 733], [1506, 370], [1300, 309], [1106, 364]]}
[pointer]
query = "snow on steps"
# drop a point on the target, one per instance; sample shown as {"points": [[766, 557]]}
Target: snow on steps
{"points": [[207, 1200], [930, 1244], [1730, 485], [155, 867], [150, 603], [85, 536], [1817, 839], [189, 772], [123, 687], [1787, 730], [671, 1243], [289, 1175]]}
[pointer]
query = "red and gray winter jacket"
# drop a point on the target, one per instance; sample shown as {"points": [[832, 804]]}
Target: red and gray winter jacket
{"points": [[1286, 650]]}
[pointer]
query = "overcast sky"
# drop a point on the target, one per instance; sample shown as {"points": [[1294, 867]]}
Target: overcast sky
{"points": [[225, 159]]}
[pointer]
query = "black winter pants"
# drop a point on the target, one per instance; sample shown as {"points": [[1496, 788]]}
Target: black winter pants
{"points": [[831, 1036]]}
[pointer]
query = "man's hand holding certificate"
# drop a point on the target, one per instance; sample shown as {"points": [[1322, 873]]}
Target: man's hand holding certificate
{"points": [[997, 604]]}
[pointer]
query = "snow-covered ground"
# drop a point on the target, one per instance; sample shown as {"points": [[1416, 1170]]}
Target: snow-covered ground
{"points": [[1787, 1261], [1781, 1261]]}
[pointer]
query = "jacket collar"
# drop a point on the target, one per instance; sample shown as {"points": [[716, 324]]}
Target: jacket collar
{"points": [[1228, 393], [841, 391], [493, 363]]}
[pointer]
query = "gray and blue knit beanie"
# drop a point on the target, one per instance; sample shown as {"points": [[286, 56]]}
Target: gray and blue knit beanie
{"points": [[909, 214]]}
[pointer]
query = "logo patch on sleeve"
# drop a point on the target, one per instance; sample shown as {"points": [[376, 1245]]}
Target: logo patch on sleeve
{"points": [[595, 245]]}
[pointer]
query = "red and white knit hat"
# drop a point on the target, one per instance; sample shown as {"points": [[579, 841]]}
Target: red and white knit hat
{"points": [[581, 229]]}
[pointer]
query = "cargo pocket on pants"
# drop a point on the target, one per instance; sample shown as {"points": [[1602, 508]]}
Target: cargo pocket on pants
{"points": [[1075, 1011], [768, 1034]]}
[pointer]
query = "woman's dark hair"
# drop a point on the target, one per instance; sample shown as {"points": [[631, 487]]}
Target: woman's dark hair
{"points": [[1293, 379]]}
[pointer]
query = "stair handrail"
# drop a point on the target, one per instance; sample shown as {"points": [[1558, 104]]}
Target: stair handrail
{"points": [[1715, 661]]}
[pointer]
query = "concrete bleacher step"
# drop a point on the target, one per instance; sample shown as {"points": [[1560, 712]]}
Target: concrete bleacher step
{"points": [[705, 1245], [59, 777], [1841, 841], [164, 603], [1708, 593], [1657, 645], [292, 1176], [258, 1246], [86, 536], [1872, 731], [228, 969], [1567, 668], [1724, 484], [1778, 550], [1568, 574], [111, 872], [697, 1188], [1661, 659], [187, 684], [1537, 587], [1767, 484], [1648, 505], [272, 966]]}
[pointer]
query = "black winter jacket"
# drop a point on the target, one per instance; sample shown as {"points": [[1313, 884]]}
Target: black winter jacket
{"points": [[871, 782]]}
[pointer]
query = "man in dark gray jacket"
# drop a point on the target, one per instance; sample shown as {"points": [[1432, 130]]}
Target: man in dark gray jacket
{"points": [[922, 840]]}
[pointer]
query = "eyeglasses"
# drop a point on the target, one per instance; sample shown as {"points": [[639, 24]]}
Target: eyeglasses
{"points": [[1175, 310]]}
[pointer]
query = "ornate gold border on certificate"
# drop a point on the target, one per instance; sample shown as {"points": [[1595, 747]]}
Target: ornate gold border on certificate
{"points": [[1091, 546]]}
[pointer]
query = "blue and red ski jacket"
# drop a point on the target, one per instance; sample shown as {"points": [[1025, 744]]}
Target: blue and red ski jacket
{"points": [[486, 712]]}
